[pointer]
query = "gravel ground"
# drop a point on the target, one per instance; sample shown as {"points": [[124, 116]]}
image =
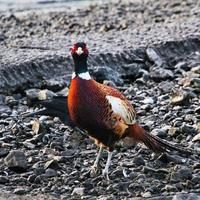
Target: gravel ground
{"points": [[131, 49]]}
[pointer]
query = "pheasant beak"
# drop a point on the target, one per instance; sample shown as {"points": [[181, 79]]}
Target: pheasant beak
{"points": [[79, 51]]}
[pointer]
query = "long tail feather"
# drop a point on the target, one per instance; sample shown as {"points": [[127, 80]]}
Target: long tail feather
{"points": [[155, 143]]}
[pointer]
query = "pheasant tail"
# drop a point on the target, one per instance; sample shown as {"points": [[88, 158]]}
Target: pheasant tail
{"points": [[153, 142]]}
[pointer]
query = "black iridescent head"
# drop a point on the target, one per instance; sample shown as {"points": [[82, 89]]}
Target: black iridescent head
{"points": [[80, 53]]}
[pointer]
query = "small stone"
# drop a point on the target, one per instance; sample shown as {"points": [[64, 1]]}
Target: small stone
{"points": [[149, 100], [146, 195], [147, 170], [197, 110], [196, 138], [185, 81], [16, 161], [196, 178], [146, 107], [43, 95], [50, 173], [3, 152], [154, 57], [198, 127], [179, 98], [68, 153], [185, 128], [19, 191], [29, 145], [5, 110], [39, 179], [189, 118], [57, 145], [163, 97], [159, 132], [79, 191], [106, 73], [186, 196], [182, 65], [166, 158], [149, 124], [63, 92], [132, 70], [166, 87], [182, 174], [32, 94], [37, 127], [11, 101], [2, 99], [190, 81], [139, 161], [53, 164], [54, 85], [195, 83], [159, 74], [170, 188], [31, 178], [37, 94], [3, 180]]}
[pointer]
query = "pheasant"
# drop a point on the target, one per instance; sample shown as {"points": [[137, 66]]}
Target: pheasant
{"points": [[104, 112]]}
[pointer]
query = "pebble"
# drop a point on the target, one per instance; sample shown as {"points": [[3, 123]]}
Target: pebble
{"points": [[146, 195], [196, 138], [4, 152], [149, 100], [139, 161], [197, 110], [16, 161], [159, 74], [19, 191], [53, 164], [182, 174], [37, 127], [159, 132], [166, 158], [170, 188], [188, 129], [196, 178], [79, 191], [195, 82], [29, 145], [5, 110], [154, 57], [186, 196], [53, 85], [37, 94], [2, 99], [106, 73], [3, 179], [50, 173], [174, 131], [180, 98]]}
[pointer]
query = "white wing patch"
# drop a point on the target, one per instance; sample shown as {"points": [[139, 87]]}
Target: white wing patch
{"points": [[121, 108]]}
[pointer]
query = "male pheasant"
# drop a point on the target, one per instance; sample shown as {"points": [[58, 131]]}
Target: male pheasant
{"points": [[104, 112]]}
